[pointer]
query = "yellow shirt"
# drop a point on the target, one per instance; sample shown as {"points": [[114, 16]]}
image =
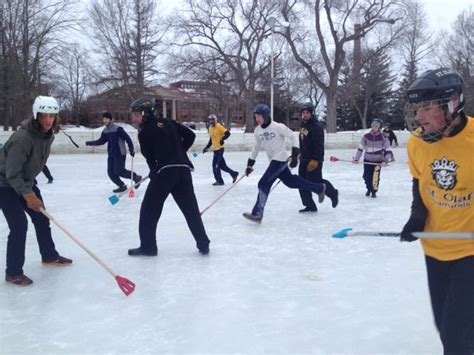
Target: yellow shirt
{"points": [[216, 133], [445, 171]]}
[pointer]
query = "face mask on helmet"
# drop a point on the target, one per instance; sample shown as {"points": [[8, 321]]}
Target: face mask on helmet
{"points": [[45, 104], [145, 106], [435, 99]]}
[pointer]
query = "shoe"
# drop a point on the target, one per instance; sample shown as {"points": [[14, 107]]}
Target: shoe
{"points": [[20, 280], [139, 251], [120, 189], [204, 250], [137, 179], [367, 193], [50, 181], [218, 184], [321, 195], [373, 195], [60, 261], [252, 217], [234, 177], [308, 209], [335, 199]]}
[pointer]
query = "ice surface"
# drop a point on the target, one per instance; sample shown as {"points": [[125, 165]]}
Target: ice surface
{"points": [[282, 287]]}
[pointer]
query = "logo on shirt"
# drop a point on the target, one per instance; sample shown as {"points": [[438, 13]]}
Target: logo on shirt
{"points": [[267, 136], [444, 173]]}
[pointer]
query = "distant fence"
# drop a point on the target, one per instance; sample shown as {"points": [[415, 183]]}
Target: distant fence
{"points": [[238, 141]]}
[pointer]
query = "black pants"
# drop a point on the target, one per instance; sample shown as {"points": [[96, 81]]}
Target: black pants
{"points": [[47, 173], [451, 285], [372, 175], [14, 207], [116, 170], [177, 182], [313, 176], [218, 164], [279, 170]]}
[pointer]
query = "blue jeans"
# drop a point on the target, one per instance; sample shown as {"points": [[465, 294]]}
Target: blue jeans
{"points": [[280, 170]]}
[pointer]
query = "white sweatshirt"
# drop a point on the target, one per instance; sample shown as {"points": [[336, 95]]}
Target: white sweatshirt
{"points": [[272, 140]]}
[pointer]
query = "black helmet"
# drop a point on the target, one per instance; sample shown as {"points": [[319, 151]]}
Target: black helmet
{"points": [[263, 110], [307, 106], [145, 105], [439, 86]]}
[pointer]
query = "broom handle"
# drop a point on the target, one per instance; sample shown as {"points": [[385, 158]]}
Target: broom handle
{"points": [[69, 234], [223, 194]]}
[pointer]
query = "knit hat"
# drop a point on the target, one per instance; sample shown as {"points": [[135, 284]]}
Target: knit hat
{"points": [[107, 115]]}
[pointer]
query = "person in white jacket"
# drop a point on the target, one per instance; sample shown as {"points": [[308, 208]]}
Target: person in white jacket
{"points": [[271, 136]]}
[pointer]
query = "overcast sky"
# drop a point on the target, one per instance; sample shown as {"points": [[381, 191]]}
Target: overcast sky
{"points": [[442, 13]]}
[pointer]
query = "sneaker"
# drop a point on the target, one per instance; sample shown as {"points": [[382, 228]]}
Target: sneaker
{"points": [[252, 217], [137, 179], [367, 193], [321, 195], [308, 209], [373, 194], [234, 177], [60, 261], [20, 280], [139, 252], [120, 189], [218, 184], [335, 199]]}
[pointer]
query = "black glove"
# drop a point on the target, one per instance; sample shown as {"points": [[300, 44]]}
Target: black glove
{"points": [[222, 142], [132, 153], [249, 168], [294, 157], [413, 225], [204, 150]]}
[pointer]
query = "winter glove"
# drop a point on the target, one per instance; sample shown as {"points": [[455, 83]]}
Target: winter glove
{"points": [[312, 165], [33, 202], [413, 225], [294, 157], [204, 150], [222, 142], [132, 153], [249, 168], [384, 164], [355, 161]]}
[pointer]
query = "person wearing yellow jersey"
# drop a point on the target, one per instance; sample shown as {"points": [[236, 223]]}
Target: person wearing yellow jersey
{"points": [[217, 135], [441, 160]]}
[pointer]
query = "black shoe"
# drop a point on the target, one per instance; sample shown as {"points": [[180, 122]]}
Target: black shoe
{"points": [[140, 251], [204, 250], [120, 189], [234, 177], [50, 181], [335, 199], [308, 209], [218, 184], [373, 195], [367, 193], [137, 179], [252, 217]]}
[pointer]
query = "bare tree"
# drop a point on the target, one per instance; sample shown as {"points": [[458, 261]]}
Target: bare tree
{"points": [[129, 39], [333, 30], [230, 34], [30, 32]]}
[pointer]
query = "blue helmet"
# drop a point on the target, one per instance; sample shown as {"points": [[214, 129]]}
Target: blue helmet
{"points": [[263, 110]]}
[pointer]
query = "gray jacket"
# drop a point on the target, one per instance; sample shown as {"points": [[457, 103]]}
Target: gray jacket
{"points": [[23, 156]]}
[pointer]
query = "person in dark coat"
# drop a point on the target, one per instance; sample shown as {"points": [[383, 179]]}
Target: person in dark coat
{"points": [[312, 157], [164, 144], [21, 159], [116, 137], [390, 135]]}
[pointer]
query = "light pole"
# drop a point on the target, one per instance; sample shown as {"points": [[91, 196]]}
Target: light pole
{"points": [[273, 22]]}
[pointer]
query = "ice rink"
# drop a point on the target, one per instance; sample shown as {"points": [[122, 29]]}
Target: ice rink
{"points": [[282, 287]]}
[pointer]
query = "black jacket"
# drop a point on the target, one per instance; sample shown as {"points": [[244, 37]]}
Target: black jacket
{"points": [[164, 143], [311, 141]]}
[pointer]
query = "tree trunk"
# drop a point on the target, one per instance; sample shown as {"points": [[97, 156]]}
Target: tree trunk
{"points": [[331, 115]]}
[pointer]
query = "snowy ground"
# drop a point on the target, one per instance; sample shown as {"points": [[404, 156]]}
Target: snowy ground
{"points": [[282, 287]]}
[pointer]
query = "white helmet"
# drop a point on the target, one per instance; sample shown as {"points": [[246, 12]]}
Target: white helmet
{"points": [[45, 104]]}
